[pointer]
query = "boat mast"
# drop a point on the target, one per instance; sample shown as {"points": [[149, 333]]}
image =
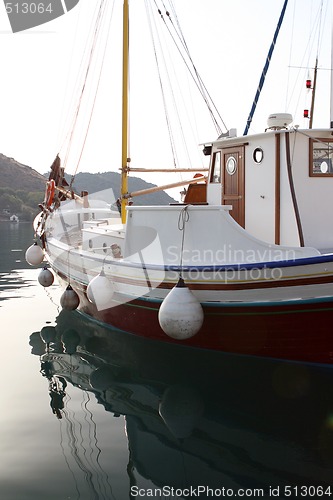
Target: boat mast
{"points": [[124, 149], [313, 93], [331, 103], [264, 71]]}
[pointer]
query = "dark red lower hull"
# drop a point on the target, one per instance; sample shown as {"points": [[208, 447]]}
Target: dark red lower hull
{"points": [[298, 332]]}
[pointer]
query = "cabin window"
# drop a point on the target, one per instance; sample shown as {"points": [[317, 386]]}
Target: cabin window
{"points": [[258, 155], [216, 168], [231, 165], [321, 158]]}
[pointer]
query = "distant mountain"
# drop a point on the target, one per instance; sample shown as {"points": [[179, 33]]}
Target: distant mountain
{"points": [[94, 183], [22, 188], [17, 176]]}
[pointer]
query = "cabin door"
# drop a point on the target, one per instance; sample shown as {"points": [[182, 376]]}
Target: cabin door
{"points": [[233, 182]]}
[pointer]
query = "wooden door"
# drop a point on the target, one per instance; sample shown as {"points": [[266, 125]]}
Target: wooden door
{"points": [[233, 182]]}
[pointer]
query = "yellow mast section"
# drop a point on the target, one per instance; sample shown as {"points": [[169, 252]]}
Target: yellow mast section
{"points": [[124, 149]]}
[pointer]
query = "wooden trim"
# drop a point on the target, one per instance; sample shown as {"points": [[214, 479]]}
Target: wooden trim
{"points": [[165, 186], [235, 145], [317, 140], [227, 199], [212, 167], [165, 170], [293, 192], [277, 189]]}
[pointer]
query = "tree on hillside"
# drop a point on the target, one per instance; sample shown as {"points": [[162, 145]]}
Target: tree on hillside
{"points": [[23, 195], [10, 202], [34, 198], [7, 190]]}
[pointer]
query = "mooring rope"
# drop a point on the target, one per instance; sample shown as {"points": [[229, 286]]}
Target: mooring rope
{"points": [[184, 217]]}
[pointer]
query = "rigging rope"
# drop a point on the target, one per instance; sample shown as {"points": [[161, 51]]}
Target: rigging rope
{"points": [[179, 42], [172, 141], [174, 102], [196, 77], [95, 36], [171, 89], [316, 34], [94, 103], [77, 111], [264, 71], [184, 217], [204, 91]]}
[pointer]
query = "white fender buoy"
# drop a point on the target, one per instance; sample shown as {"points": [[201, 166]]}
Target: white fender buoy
{"points": [[45, 277], [180, 314], [181, 408], [100, 291], [69, 299], [34, 255]]}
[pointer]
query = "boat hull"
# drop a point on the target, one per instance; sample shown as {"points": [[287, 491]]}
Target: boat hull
{"points": [[279, 308], [298, 331]]}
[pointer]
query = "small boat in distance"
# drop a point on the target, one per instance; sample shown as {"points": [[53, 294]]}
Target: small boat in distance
{"points": [[243, 265]]}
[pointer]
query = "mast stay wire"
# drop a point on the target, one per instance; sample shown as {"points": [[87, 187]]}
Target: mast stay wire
{"points": [[86, 74], [171, 137], [199, 83], [94, 99], [196, 77], [205, 93], [78, 90], [171, 90], [82, 91], [315, 30], [290, 54]]}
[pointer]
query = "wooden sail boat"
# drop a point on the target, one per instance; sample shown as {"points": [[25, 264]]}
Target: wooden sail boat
{"points": [[241, 266]]}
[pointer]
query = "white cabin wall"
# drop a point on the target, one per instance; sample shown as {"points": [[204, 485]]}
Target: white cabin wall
{"points": [[262, 210], [214, 193], [260, 189], [314, 194]]}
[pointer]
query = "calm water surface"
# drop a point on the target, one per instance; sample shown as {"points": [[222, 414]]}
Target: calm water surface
{"points": [[89, 414]]}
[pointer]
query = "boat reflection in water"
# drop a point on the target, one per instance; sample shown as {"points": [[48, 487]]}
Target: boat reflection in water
{"points": [[196, 417]]}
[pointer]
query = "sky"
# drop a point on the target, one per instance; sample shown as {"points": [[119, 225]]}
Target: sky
{"points": [[229, 42]]}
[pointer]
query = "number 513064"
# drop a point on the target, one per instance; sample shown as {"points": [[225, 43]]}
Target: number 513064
{"points": [[28, 8]]}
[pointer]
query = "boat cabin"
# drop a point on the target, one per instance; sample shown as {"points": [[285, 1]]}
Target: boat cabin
{"points": [[279, 183]]}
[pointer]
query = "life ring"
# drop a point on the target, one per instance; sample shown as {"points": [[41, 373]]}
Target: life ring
{"points": [[49, 193]]}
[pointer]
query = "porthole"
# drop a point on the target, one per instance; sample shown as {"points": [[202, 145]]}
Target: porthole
{"points": [[90, 243], [258, 155], [105, 248], [231, 165]]}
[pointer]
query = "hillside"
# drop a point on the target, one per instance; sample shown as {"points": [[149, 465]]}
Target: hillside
{"points": [[17, 176], [98, 182], [22, 188]]}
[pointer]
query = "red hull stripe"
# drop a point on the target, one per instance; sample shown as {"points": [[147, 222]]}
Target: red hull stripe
{"points": [[290, 331]]}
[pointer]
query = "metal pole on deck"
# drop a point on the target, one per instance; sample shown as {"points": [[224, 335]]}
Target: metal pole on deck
{"points": [[331, 100], [124, 149]]}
